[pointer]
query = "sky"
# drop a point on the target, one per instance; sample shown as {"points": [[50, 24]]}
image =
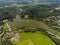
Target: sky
{"points": [[28, 0]]}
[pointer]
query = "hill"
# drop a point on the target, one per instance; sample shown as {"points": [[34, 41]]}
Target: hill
{"points": [[27, 1]]}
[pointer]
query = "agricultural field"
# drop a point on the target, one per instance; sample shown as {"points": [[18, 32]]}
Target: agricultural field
{"points": [[37, 38]]}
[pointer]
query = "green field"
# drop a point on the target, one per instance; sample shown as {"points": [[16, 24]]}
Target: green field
{"points": [[5, 27], [28, 38]]}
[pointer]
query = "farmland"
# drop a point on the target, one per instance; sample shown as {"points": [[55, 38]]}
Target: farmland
{"points": [[36, 38]]}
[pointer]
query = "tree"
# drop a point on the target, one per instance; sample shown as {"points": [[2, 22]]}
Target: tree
{"points": [[6, 42], [7, 13], [37, 12]]}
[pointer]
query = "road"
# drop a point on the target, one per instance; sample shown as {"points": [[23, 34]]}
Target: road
{"points": [[56, 36], [8, 27]]}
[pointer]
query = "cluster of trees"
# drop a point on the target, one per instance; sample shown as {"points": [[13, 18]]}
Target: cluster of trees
{"points": [[40, 11], [6, 42], [7, 13]]}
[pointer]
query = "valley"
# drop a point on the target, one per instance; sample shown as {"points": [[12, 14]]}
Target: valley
{"points": [[30, 24]]}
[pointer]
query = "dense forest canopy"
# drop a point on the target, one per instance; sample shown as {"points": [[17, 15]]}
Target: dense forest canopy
{"points": [[40, 11], [7, 13]]}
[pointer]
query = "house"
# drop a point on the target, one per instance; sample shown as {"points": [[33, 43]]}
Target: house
{"points": [[15, 38], [6, 20], [25, 16]]}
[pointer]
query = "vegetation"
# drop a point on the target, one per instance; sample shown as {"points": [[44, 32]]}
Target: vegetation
{"points": [[5, 27], [36, 12], [34, 25], [40, 12], [6, 42], [8, 13], [28, 23], [28, 38]]}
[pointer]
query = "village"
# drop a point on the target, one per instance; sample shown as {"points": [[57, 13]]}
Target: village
{"points": [[53, 21]]}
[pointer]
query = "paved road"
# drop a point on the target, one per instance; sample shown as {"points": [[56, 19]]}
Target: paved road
{"points": [[56, 36]]}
